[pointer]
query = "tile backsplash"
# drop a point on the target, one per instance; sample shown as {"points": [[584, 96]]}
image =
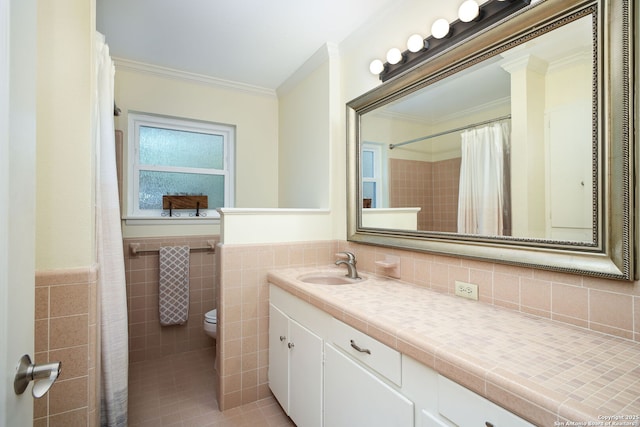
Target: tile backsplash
{"points": [[147, 339], [602, 305]]}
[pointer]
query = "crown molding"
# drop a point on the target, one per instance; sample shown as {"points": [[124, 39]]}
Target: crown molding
{"points": [[171, 73], [322, 55]]}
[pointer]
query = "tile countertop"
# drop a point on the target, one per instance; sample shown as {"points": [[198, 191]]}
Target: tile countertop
{"points": [[547, 372]]}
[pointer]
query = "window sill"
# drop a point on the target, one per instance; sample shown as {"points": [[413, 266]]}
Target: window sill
{"points": [[170, 220]]}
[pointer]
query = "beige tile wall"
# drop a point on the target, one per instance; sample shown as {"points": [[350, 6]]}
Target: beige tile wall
{"points": [[243, 313], [433, 186], [608, 306], [147, 339], [66, 319], [445, 187], [409, 187]]}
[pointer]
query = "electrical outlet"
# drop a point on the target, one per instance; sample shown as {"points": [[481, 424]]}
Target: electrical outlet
{"points": [[467, 290]]}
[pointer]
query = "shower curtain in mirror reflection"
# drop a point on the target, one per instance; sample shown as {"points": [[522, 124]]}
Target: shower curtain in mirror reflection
{"points": [[114, 353], [483, 198]]}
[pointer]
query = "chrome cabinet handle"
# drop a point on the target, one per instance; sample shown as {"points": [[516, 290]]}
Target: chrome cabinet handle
{"points": [[360, 349], [282, 338]]}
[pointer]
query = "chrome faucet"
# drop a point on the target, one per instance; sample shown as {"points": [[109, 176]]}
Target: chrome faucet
{"points": [[350, 262]]}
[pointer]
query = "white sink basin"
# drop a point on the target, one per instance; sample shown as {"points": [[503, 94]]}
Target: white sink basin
{"points": [[325, 278]]}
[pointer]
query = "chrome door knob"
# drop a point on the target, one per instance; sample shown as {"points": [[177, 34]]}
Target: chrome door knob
{"points": [[44, 376]]}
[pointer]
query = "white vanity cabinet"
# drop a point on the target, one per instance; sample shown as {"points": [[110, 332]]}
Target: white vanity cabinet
{"points": [[325, 373], [295, 368]]}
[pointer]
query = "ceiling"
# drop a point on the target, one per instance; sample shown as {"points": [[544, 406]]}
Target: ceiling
{"points": [[253, 42]]}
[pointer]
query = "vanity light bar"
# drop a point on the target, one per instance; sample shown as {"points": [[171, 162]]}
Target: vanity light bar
{"points": [[489, 13]]}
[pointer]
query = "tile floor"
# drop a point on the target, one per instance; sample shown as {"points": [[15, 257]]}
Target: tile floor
{"points": [[178, 390]]}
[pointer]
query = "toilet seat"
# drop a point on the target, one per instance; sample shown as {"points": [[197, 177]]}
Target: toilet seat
{"points": [[210, 323], [211, 316]]}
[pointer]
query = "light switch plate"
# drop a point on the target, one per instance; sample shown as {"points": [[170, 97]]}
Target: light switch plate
{"points": [[467, 290]]}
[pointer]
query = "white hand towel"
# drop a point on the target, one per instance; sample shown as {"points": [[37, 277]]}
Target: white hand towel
{"points": [[174, 285]]}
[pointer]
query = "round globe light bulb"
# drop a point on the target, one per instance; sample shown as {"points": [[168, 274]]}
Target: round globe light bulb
{"points": [[394, 55], [376, 66], [468, 11], [415, 43], [440, 28]]}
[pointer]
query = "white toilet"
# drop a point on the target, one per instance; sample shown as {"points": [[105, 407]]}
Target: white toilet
{"points": [[211, 323]]}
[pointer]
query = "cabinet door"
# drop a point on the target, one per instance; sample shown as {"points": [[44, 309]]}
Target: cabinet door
{"points": [[429, 420], [279, 356], [353, 396], [305, 376], [465, 408]]}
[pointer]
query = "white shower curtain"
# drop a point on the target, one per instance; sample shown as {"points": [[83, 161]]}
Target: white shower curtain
{"points": [[114, 352], [483, 202]]}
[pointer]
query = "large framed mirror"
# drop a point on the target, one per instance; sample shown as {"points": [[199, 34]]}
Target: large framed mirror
{"points": [[514, 146]]}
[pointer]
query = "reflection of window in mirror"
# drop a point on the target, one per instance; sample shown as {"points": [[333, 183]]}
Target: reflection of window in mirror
{"points": [[373, 175], [170, 156]]}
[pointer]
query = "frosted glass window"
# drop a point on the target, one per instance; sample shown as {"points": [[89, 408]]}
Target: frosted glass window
{"points": [[171, 156], [169, 147], [153, 185]]}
